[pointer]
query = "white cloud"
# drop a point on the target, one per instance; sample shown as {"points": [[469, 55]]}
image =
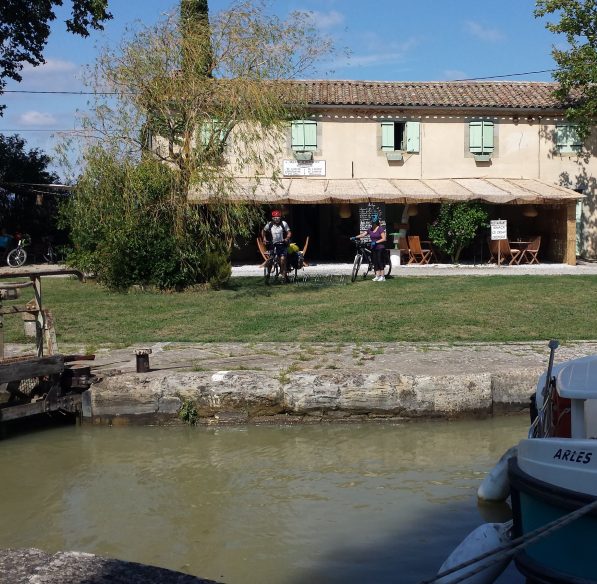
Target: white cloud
{"points": [[34, 118], [50, 67], [325, 20], [54, 75], [378, 53], [482, 32]]}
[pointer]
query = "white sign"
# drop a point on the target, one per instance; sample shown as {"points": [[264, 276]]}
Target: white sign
{"points": [[304, 168], [499, 229]]}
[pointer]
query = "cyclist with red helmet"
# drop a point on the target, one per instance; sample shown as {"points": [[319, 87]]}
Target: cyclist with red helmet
{"points": [[277, 233]]}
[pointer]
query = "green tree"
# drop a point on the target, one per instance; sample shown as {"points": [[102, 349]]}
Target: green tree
{"points": [[577, 73], [208, 100], [25, 28], [22, 174], [456, 226]]}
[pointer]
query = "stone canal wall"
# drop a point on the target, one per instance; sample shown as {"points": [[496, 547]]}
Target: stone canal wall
{"points": [[238, 383]]}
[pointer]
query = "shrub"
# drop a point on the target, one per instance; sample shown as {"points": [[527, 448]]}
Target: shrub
{"points": [[456, 226]]}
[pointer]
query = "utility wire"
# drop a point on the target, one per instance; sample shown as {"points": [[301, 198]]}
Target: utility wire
{"points": [[29, 91], [508, 75]]}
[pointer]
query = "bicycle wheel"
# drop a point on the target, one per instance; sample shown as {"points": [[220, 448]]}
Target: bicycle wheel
{"points": [[17, 257], [388, 264], [356, 266], [50, 255], [271, 272]]}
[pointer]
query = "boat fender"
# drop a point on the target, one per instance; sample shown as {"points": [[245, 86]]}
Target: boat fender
{"points": [[483, 539], [496, 486]]}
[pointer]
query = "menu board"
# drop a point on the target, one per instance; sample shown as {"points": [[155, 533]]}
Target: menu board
{"points": [[368, 209]]}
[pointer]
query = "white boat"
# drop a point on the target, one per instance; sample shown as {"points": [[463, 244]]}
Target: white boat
{"points": [[554, 475], [551, 478]]}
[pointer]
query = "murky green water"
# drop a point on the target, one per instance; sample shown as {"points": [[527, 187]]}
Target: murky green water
{"points": [[368, 503]]}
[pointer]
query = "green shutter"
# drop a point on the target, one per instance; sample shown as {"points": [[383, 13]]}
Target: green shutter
{"points": [[310, 130], [487, 137], [387, 136], [298, 136], [475, 137], [413, 130], [567, 139], [304, 135]]}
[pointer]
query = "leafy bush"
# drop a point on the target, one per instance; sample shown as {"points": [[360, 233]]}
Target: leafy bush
{"points": [[128, 227], [456, 226]]}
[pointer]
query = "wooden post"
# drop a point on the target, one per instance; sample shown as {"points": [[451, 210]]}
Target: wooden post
{"points": [[570, 252], [41, 317]]}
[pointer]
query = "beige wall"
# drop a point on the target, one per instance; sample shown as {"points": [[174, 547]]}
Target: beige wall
{"points": [[350, 145]]}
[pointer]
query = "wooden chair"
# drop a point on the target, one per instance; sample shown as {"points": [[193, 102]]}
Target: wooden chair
{"points": [[262, 250], [405, 255], [419, 255], [304, 251], [501, 250], [531, 251]]}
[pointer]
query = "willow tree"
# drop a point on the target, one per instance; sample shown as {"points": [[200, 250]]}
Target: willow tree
{"points": [[206, 99]]}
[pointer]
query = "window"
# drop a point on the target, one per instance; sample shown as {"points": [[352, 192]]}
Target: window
{"points": [[212, 133], [567, 139], [400, 136], [481, 137], [304, 135]]}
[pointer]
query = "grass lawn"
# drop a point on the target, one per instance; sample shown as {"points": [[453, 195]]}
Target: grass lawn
{"points": [[430, 309]]}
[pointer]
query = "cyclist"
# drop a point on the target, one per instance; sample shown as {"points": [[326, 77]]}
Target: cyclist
{"points": [[377, 234], [277, 233]]}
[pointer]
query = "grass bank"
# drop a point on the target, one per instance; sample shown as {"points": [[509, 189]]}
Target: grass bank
{"points": [[450, 309]]}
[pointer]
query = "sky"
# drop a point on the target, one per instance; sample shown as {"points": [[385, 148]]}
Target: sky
{"points": [[387, 40]]}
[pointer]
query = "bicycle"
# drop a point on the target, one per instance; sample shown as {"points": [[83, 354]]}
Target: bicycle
{"points": [[272, 268], [363, 252], [18, 256], [48, 251]]}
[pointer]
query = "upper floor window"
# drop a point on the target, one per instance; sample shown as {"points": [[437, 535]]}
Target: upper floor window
{"points": [[567, 139], [481, 137], [402, 136], [213, 134], [304, 135]]}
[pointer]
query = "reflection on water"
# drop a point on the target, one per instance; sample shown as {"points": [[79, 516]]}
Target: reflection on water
{"points": [[342, 503]]}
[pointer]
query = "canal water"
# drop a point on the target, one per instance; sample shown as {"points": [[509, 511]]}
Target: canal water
{"points": [[371, 503]]}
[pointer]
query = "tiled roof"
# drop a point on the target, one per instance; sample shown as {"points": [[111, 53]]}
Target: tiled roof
{"points": [[436, 94]]}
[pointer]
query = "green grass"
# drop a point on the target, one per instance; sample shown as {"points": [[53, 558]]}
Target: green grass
{"points": [[430, 309]]}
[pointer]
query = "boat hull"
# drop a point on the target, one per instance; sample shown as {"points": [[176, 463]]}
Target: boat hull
{"points": [[567, 555]]}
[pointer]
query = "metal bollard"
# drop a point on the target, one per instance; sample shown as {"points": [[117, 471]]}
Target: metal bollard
{"points": [[142, 360]]}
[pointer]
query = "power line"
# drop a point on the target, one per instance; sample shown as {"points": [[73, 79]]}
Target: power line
{"points": [[30, 91], [508, 75], [41, 130], [35, 92]]}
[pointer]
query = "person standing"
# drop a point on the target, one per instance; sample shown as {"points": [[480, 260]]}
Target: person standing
{"points": [[377, 234], [277, 233]]}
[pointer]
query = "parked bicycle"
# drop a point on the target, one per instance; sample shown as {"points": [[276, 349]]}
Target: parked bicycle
{"points": [[364, 257], [17, 256], [48, 250]]}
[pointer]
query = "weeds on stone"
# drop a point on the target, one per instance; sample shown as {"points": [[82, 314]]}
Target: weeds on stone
{"points": [[188, 412]]}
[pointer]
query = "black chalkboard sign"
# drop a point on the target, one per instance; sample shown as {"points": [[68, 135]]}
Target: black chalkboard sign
{"points": [[365, 212]]}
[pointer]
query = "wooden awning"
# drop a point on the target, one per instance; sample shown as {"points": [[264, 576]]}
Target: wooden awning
{"points": [[512, 191]]}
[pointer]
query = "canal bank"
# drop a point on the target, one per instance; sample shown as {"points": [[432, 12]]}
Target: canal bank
{"points": [[224, 383]]}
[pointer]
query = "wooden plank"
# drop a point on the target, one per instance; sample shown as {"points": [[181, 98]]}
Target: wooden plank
{"points": [[16, 309], [33, 272], [37, 367], [68, 403]]}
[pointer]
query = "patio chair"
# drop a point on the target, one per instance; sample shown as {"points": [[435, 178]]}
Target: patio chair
{"points": [[501, 249], [262, 250], [405, 255], [531, 252], [419, 255]]}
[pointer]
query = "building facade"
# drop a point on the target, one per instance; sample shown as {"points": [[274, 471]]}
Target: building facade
{"points": [[412, 146]]}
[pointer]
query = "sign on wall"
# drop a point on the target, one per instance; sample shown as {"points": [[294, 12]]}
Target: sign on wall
{"points": [[303, 168], [499, 229], [365, 212]]}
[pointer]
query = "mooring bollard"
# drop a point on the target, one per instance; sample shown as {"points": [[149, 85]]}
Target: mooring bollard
{"points": [[142, 360]]}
